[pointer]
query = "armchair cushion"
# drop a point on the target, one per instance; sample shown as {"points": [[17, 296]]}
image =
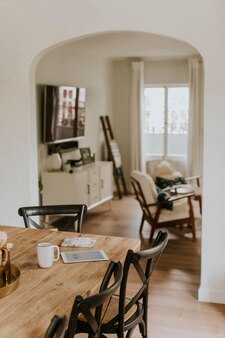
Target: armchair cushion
{"points": [[164, 168], [148, 186], [180, 210]]}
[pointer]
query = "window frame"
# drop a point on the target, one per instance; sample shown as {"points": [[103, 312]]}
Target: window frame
{"points": [[165, 86]]}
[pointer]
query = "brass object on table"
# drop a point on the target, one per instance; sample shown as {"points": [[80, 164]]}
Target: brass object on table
{"points": [[11, 283]]}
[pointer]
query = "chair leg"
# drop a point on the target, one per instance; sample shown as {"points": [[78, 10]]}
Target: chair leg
{"points": [[199, 199], [142, 328], [192, 219], [142, 222], [152, 234], [193, 230], [130, 332]]}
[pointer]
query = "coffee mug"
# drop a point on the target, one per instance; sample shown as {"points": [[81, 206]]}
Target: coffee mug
{"points": [[46, 254]]}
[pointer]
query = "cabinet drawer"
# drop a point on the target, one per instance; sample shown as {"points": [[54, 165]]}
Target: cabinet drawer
{"points": [[94, 186], [93, 175], [94, 191]]}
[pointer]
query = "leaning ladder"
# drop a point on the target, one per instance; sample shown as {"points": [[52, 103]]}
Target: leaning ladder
{"points": [[114, 156]]}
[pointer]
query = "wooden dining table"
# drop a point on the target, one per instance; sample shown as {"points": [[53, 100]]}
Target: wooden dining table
{"points": [[42, 293]]}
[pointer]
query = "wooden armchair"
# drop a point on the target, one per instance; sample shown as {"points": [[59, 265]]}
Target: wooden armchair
{"points": [[184, 209]]}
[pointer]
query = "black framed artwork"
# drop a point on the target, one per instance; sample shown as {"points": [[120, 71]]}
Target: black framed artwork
{"points": [[86, 155]]}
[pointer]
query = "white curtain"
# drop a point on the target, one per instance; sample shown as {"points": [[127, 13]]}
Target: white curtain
{"points": [[137, 116], [195, 138]]}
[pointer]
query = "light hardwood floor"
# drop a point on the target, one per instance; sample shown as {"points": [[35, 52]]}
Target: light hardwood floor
{"points": [[174, 310]]}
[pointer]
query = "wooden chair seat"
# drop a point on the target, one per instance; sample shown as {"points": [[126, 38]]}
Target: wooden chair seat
{"points": [[180, 211], [110, 310]]}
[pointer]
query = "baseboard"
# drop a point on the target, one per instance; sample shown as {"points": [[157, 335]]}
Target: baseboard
{"points": [[211, 295]]}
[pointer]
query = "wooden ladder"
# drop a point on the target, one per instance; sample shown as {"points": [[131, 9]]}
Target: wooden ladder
{"points": [[114, 156]]}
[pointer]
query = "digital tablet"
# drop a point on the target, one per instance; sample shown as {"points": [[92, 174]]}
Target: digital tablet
{"points": [[83, 256]]}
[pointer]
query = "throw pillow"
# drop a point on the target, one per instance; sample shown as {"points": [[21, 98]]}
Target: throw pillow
{"points": [[162, 183], [163, 197]]}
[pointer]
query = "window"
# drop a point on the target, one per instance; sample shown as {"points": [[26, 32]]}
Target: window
{"points": [[166, 120]]}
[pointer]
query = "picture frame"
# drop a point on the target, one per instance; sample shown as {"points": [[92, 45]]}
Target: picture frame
{"points": [[86, 155]]}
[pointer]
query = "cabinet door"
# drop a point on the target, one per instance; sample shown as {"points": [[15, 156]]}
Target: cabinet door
{"points": [[65, 188], [94, 186], [106, 178]]}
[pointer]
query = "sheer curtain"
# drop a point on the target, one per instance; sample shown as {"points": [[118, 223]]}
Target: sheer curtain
{"points": [[195, 139], [137, 116]]}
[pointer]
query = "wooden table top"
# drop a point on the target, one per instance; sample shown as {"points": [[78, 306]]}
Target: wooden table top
{"points": [[42, 293]]}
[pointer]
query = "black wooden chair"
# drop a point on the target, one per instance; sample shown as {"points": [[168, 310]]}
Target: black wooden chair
{"points": [[62, 216], [56, 327], [125, 314], [88, 313]]}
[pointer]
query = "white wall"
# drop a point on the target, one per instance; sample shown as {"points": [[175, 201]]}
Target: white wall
{"points": [[27, 28], [76, 68], [166, 71]]}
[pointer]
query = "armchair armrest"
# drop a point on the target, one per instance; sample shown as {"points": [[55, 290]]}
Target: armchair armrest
{"points": [[192, 178], [179, 197], [153, 204]]}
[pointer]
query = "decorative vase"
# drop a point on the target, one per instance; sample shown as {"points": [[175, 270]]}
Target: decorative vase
{"points": [[54, 162]]}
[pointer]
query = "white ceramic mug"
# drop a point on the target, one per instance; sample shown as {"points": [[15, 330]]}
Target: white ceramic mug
{"points": [[46, 254]]}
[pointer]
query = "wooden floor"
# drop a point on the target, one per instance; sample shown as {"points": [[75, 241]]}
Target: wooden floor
{"points": [[174, 310]]}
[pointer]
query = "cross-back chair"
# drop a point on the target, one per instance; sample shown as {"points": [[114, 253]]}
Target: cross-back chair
{"points": [[129, 309], [184, 208], [88, 313], [70, 213], [56, 327]]}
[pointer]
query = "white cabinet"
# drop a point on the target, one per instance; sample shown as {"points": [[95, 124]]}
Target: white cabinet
{"points": [[90, 184]]}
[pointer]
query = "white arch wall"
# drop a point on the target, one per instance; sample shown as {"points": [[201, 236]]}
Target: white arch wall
{"points": [[27, 28]]}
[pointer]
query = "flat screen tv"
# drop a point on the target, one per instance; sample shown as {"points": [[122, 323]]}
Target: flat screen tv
{"points": [[63, 113]]}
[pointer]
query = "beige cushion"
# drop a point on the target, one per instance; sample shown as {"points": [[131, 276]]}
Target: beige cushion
{"points": [[147, 185], [163, 168], [136, 174], [180, 210], [172, 176]]}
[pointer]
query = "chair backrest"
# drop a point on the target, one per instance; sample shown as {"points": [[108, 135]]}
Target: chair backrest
{"points": [[77, 211], [93, 308], [144, 200], [147, 185], [143, 262]]}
